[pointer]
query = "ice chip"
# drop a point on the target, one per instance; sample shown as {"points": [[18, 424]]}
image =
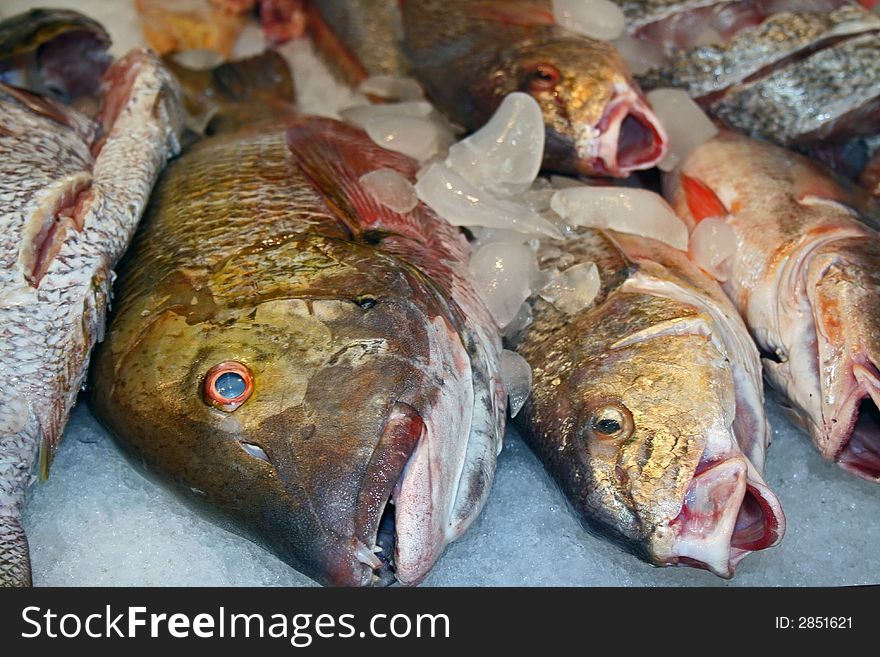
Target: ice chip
{"points": [[516, 374], [574, 289], [391, 189], [502, 272], [463, 204], [686, 124], [641, 55], [360, 115], [391, 87], [636, 211], [597, 19], [514, 331], [712, 243], [415, 137], [504, 156]]}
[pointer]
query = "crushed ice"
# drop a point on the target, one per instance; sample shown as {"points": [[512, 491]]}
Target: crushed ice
{"points": [[390, 189], [686, 124], [573, 289], [597, 19], [712, 244], [516, 374]]}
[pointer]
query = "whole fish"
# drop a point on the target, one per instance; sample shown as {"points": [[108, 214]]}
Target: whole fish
{"points": [[647, 407], [73, 190], [470, 55], [806, 278], [790, 71], [312, 366]]}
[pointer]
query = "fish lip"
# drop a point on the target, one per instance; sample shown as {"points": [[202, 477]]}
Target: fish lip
{"points": [[403, 431], [854, 438], [719, 542], [599, 146]]}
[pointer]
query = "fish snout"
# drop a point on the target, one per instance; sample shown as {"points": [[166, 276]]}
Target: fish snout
{"points": [[628, 137], [728, 512]]}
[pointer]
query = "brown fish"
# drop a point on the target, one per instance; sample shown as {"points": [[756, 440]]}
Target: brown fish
{"points": [[73, 190], [470, 55], [647, 407], [312, 366], [806, 278]]}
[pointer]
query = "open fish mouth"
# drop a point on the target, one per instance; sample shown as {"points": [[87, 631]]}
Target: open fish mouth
{"points": [[383, 507], [856, 432], [728, 513], [629, 137]]}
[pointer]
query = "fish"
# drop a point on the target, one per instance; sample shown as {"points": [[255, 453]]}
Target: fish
{"points": [[794, 72], [806, 279], [870, 176], [311, 367], [73, 190], [470, 55], [647, 407]]}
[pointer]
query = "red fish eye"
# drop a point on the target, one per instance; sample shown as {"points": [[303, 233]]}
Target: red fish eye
{"points": [[228, 385], [543, 77]]}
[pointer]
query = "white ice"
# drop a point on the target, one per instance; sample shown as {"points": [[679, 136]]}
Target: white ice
{"points": [[391, 189], [636, 211], [504, 156], [517, 376], [391, 87], [686, 124], [574, 289], [711, 244], [597, 19], [641, 55], [503, 274]]}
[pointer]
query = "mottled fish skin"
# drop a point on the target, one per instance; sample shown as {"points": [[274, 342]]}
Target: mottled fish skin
{"points": [[470, 55], [870, 178], [54, 52], [806, 278], [797, 77], [72, 193], [375, 368], [663, 354]]}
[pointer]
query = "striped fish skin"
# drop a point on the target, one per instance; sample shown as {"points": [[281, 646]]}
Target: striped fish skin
{"points": [[792, 73], [376, 411], [648, 403], [72, 193], [805, 278]]}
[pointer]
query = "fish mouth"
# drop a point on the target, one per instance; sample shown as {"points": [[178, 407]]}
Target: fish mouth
{"points": [[629, 137], [383, 508], [856, 432], [728, 513]]}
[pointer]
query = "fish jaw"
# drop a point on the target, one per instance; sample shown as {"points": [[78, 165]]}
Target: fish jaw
{"points": [[629, 137]]}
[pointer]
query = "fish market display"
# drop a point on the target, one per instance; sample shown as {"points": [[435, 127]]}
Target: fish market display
{"points": [[296, 345], [647, 407], [470, 55], [790, 71], [73, 189], [806, 277]]}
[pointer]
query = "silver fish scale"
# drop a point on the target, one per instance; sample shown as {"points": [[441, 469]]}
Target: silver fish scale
{"points": [[47, 333], [809, 95], [712, 68]]}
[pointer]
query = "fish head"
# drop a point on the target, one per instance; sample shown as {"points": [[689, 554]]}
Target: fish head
{"points": [[652, 459], [598, 122], [842, 286], [314, 420]]}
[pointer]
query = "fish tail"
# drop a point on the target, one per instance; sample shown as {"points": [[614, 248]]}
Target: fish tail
{"points": [[15, 562]]}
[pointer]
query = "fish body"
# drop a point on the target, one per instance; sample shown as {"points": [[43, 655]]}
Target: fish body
{"points": [[870, 177], [470, 55], [73, 190], [795, 73], [366, 406], [805, 279], [647, 408]]}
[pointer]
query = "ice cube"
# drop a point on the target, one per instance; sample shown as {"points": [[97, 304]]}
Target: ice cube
{"points": [[514, 331], [516, 373], [597, 19], [504, 156], [502, 272], [391, 189], [360, 115], [415, 137], [637, 211], [712, 243], [686, 124], [574, 289], [463, 204], [391, 87], [641, 55]]}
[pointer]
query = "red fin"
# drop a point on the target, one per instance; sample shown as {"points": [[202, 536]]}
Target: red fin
{"points": [[334, 156], [702, 201], [522, 13]]}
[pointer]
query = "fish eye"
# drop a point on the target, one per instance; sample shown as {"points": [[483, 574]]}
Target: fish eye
{"points": [[543, 77], [612, 421], [228, 385]]}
